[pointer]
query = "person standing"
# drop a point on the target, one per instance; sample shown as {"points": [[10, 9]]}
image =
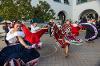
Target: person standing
{"points": [[50, 25], [6, 29]]}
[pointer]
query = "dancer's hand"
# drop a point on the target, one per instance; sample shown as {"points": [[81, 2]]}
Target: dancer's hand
{"points": [[44, 28], [28, 47]]}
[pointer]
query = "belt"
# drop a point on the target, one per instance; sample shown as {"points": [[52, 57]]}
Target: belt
{"points": [[10, 44]]}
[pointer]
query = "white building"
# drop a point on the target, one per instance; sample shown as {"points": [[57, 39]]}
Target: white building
{"points": [[74, 9]]}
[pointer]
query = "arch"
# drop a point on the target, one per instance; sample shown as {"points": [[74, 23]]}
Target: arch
{"points": [[89, 14], [62, 16]]}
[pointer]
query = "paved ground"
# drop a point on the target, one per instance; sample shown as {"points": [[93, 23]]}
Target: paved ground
{"points": [[51, 55]]}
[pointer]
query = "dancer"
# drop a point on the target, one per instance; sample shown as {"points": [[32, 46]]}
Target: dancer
{"points": [[34, 38], [34, 27], [71, 31], [60, 37], [75, 29], [91, 31], [18, 47]]}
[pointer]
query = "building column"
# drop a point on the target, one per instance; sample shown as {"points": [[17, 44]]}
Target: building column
{"points": [[62, 1], [74, 11], [74, 2]]}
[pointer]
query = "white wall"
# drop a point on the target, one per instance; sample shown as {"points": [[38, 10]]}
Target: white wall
{"points": [[57, 7], [78, 9], [72, 11], [60, 7]]}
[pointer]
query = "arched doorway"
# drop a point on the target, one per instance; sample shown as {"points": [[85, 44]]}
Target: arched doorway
{"points": [[62, 16], [89, 14]]}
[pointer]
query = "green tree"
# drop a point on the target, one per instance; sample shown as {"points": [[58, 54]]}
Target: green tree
{"points": [[24, 8], [43, 11], [7, 10], [11, 9]]}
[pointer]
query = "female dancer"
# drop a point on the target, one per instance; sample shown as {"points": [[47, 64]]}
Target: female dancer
{"points": [[33, 38], [18, 47], [71, 31], [91, 31]]}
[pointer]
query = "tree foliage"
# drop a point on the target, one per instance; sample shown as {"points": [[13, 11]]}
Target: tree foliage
{"points": [[24, 8], [7, 10], [43, 11], [11, 9]]}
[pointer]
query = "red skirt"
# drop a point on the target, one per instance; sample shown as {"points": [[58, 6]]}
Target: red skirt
{"points": [[33, 38]]}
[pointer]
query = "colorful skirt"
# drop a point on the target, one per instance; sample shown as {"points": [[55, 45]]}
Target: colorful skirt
{"points": [[17, 51]]}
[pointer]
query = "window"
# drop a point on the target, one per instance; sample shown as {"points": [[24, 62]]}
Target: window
{"points": [[57, 0], [81, 1], [66, 1], [91, 0]]}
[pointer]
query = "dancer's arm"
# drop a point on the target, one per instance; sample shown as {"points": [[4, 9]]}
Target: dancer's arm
{"points": [[23, 43]]}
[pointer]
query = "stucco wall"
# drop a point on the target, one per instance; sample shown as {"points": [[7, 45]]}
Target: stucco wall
{"points": [[57, 7], [72, 11], [78, 9]]}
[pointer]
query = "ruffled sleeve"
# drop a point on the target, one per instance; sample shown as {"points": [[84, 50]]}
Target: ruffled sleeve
{"points": [[11, 37]]}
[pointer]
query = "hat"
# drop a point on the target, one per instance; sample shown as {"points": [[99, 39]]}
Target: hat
{"points": [[34, 20]]}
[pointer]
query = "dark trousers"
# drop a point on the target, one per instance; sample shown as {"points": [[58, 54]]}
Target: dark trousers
{"points": [[49, 31]]}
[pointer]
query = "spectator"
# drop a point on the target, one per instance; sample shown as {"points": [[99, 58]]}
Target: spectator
{"points": [[6, 29]]}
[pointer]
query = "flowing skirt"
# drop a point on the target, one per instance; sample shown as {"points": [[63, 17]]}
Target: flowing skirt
{"points": [[33, 38], [17, 51]]}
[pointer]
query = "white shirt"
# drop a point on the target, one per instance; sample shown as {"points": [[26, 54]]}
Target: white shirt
{"points": [[34, 29], [11, 37]]}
